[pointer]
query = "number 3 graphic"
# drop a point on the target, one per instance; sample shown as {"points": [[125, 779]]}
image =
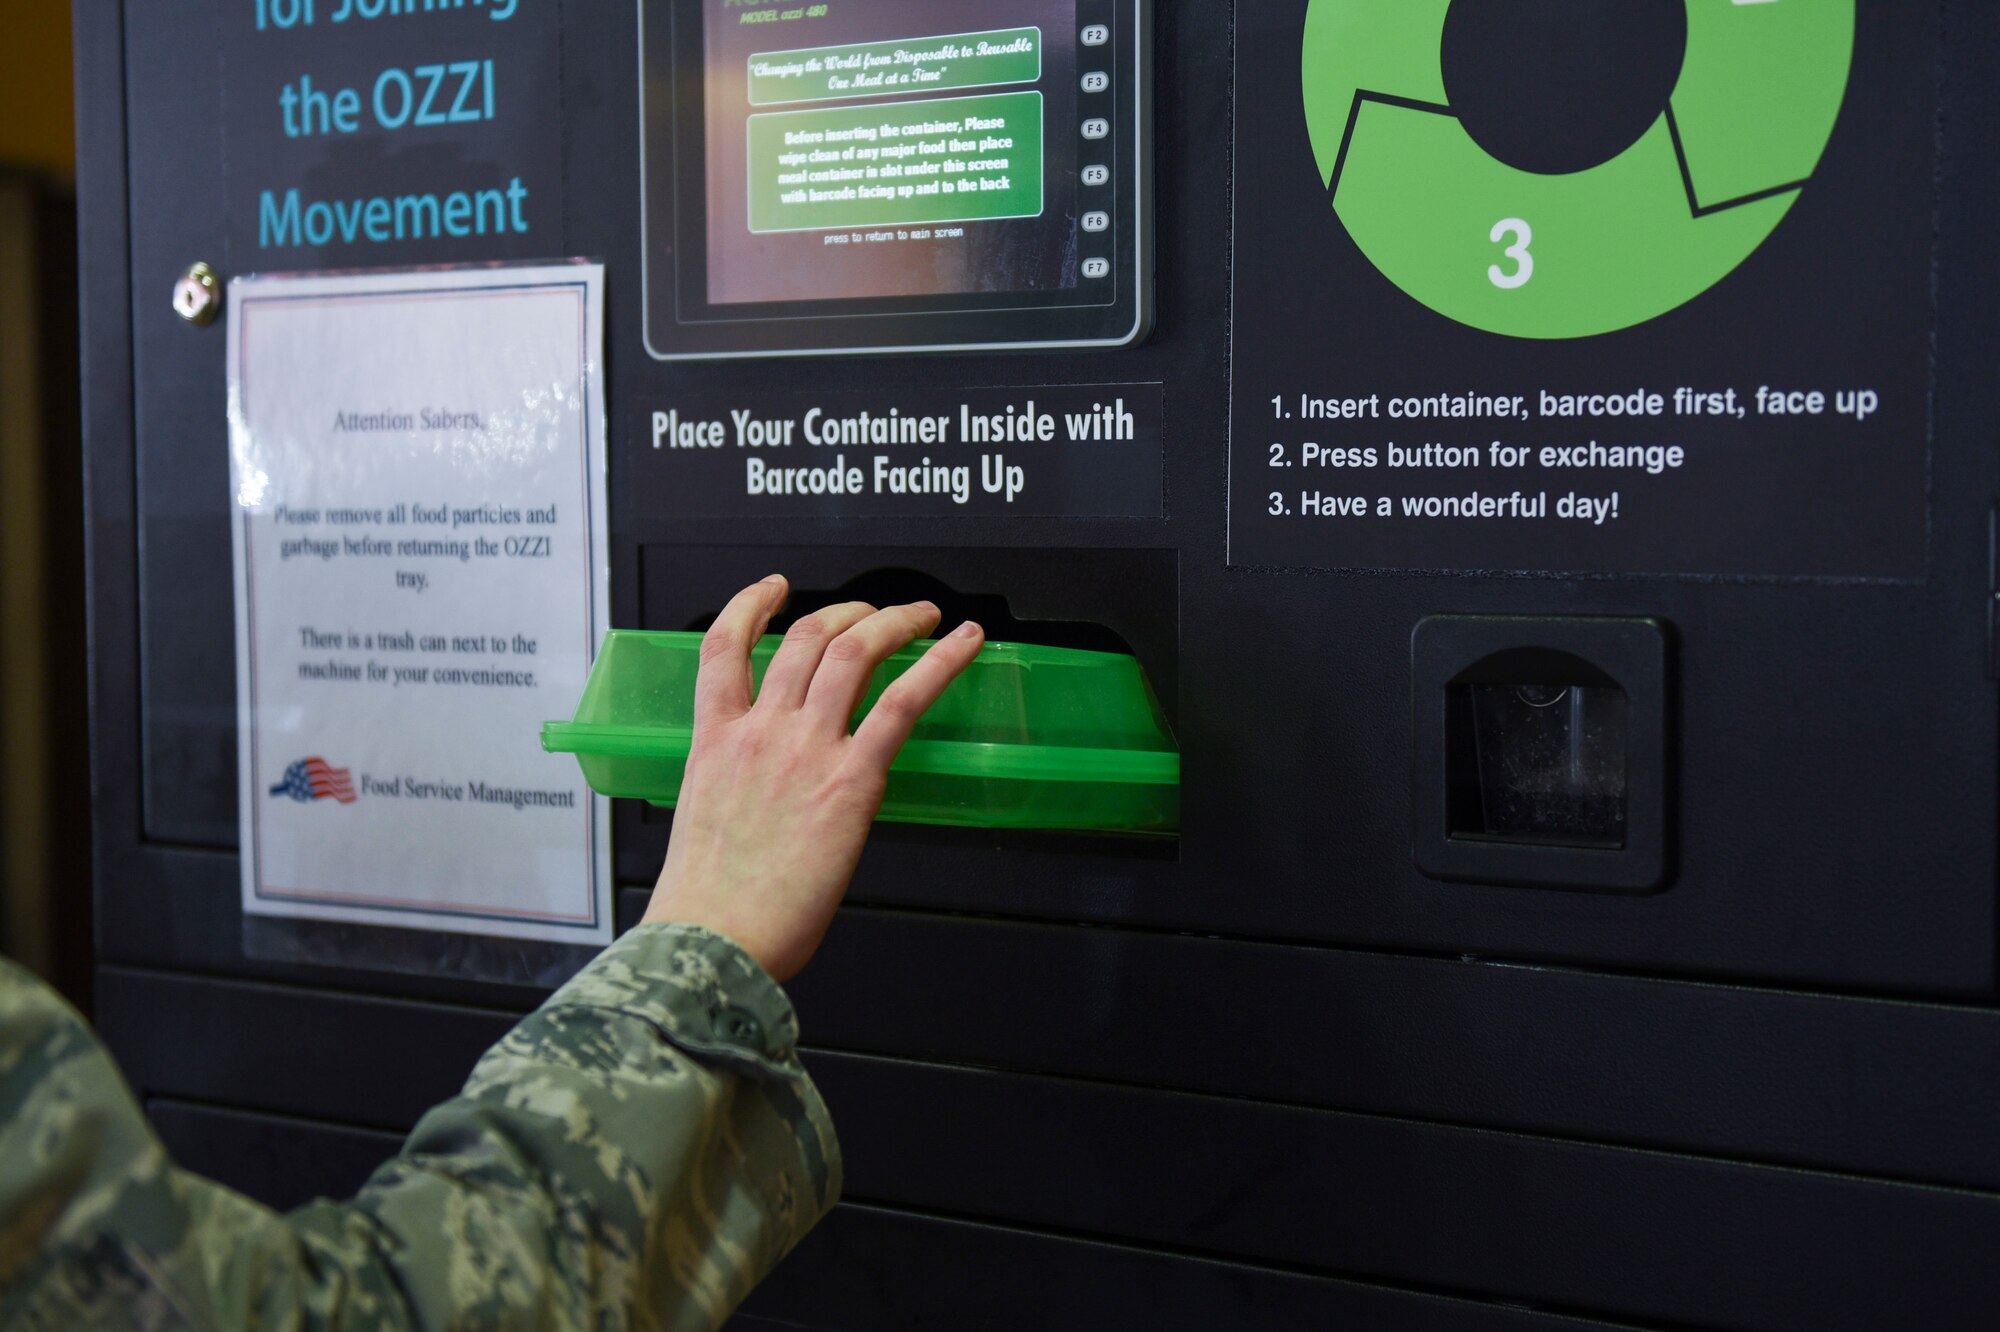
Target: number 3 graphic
{"points": [[1524, 263]]}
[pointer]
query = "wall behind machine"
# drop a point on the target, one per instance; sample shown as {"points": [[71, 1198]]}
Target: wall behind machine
{"points": [[44, 790], [1289, 1068]]}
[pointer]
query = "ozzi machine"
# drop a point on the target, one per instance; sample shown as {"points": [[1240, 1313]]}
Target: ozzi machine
{"points": [[1543, 462]]}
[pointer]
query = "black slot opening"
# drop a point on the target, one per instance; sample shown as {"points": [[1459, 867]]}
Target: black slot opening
{"points": [[1097, 600], [1105, 600], [893, 586], [1539, 751], [1535, 751]]}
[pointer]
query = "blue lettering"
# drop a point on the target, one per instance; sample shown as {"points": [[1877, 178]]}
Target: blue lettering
{"points": [[460, 113], [284, 13], [409, 95], [319, 223], [414, 206], [426, 116], [499, 211], [350, 221], [295, 13], [456, 205], [275, 227], [290, 220]]}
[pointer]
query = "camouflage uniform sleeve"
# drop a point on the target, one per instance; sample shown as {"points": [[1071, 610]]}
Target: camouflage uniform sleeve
{"points": [[637, 1153]]}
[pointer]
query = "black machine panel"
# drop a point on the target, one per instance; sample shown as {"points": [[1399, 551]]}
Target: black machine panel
{"points": [[1525, 871], [1576, 1225], [1771, 853]]}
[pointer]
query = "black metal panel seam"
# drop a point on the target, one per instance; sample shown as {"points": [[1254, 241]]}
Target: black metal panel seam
{"points": [[140, 704], [1901, 999], [89, 21], [1376, 1116], [309, 991], [1742, 1163], [1693, 979], [1448, 1294], [285, 1116]]}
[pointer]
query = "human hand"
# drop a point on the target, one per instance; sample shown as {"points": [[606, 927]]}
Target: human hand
{"points": [[779, 797]]}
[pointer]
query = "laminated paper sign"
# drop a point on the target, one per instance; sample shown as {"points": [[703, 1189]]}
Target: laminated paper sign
{"points": [[417, 473]]}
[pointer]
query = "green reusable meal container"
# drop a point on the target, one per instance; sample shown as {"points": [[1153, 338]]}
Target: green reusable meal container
{"points": [[1027, 737]]}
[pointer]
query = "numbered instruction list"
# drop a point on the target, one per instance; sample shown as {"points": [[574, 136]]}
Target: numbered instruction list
{"points": [[1457, 345]]}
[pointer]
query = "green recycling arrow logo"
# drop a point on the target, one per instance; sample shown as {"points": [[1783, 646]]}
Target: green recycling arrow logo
{"points": [[1570, 256]]}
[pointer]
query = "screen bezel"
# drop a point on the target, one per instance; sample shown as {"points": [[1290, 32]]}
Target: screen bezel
{"points": [[681, 325]]}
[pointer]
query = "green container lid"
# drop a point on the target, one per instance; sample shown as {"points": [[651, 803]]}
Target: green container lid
{"points": [[1027, 737]]}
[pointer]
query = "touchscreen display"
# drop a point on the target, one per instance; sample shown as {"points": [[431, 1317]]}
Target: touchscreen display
{"points": [[894, 175], [890, 148]]}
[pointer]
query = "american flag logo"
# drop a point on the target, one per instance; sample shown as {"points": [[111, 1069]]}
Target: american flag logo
{"points": [[316, 779]]}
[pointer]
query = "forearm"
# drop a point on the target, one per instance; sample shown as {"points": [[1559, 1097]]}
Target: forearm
{"points": [[645, 1141], [637, 1152]]}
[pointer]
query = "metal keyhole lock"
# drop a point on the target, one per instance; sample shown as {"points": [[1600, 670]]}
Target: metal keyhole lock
{"points": [[198, 294]]}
